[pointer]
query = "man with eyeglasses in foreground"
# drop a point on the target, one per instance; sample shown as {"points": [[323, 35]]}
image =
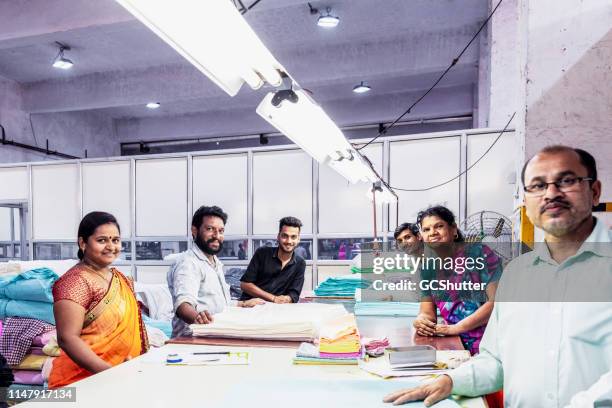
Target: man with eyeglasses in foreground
{"points": [[545, 351]]}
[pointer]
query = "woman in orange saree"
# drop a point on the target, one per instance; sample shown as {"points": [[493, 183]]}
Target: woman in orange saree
{"points": [[98, 320]]}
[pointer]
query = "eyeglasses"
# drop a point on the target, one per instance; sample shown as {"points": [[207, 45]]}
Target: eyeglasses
{"points": [[565, 184]]}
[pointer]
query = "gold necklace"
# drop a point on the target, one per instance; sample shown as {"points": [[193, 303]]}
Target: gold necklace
{"points": [[92, 269]]}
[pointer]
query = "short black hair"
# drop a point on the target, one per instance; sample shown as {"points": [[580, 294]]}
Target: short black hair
{"points": [[414, 228], [289, 222], [90, 222], [205, 211], [586, 159], [443, 213]]}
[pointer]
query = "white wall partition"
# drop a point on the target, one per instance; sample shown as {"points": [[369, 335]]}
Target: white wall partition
{"points": [[282, 184], [492, 180], [419, 164], [161, 197], [56, 202], [154, 197], [357, 213], [222, 180], [99, 179], [14, 183]]}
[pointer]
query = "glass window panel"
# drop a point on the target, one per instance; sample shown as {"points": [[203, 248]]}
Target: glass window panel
{"points": [[14, 183], [417, 164], [236, 249], [491, 182], [161, 197], [341, 248], [336, 192], [126, 251], [211, 187], [5, 251], [106, 187], [55, 250], [304, 248], [233, 273], [282, 182], [158, 250], [55, 201]]}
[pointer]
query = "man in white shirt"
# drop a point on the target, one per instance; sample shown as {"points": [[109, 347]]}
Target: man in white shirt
{"points": [[196, 280], [543, 353]]}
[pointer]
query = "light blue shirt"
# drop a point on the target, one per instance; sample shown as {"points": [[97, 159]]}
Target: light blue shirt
{"points": [[194, 279], [543, 353]]}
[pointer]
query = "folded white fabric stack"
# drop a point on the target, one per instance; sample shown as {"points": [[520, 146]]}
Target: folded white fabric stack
{"points": [[298, 322]]}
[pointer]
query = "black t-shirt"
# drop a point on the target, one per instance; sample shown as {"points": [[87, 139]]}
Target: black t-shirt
{"points": [[265, 271]]}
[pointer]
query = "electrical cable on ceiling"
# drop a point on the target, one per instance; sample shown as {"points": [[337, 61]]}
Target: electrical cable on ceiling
{"points": [[463, 172], [384, 130]]}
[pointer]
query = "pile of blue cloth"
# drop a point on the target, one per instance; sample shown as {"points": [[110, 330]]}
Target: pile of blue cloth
{"points": [[382, 308], [28, 294], [341, 286]]}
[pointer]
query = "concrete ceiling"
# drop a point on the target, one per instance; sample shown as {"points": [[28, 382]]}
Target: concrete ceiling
{"points": [[398, 46]]}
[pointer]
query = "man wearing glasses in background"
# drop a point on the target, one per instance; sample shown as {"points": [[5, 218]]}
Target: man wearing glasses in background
{"points": [[543, 353]]}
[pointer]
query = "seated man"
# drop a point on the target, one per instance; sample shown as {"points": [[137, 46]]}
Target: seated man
{"points": [[196, 280], [544, 352], [276, 274], [408, 239]]}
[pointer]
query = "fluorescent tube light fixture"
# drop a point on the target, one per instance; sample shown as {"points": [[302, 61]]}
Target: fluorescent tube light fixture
{"points": [[383, 194], [328, 20], [214, 37], [361, 88], [303, 121], [153, 105], [61, 61]]}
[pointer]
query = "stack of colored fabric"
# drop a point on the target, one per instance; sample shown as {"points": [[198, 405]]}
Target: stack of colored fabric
{"points": [[341, 286], [29, 345], [375, 347], [339, 339], [28, 294], [308, 354], [386, 309]]}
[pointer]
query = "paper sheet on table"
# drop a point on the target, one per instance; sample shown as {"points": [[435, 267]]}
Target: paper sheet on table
{"points": [[301, 393], [380, 366], [236, 357]]}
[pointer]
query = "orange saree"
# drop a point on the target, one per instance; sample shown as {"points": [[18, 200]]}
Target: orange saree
{"points": [[113, 329]]}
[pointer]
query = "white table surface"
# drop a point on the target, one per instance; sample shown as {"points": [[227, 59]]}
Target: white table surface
{"points": [[147, 382]]}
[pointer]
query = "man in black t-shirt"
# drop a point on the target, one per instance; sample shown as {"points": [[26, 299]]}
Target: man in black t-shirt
{"points": [[276, 274]]}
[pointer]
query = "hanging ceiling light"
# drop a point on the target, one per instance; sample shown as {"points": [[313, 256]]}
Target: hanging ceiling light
{"points": [[328, 20], [382, 192], [61, 61], [301, 119], [153, 105], [214, 37], [362, 88]]}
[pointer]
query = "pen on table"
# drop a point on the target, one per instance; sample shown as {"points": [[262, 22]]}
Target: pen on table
{"points": [[201, 353]]}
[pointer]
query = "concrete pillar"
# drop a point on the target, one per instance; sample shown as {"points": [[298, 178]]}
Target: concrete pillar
{"points": [[567, 78]]}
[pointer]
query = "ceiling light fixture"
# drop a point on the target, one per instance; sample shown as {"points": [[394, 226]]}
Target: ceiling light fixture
{"points": [[328, 20], [61, 61], [362, 88], [302, 120], [214, 37], [153, 105]]}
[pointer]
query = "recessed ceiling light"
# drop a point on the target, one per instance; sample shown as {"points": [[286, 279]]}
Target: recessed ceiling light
{"points": [[153, 105], [61, 61], [327, 20], [362, 88]]}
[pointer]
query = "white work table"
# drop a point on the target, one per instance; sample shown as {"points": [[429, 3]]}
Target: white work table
{"points": [[147, 382]]}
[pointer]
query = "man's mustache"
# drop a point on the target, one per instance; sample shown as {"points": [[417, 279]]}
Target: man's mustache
{"points": [[555, 202]]}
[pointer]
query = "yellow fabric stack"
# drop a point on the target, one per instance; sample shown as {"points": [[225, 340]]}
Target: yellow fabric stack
{"points": [[339, 339]]}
